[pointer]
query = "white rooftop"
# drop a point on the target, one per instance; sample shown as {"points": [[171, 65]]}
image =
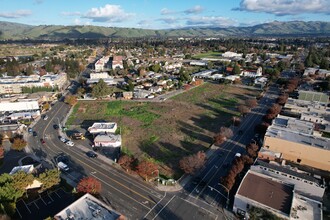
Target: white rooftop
{"points": [[88, 207], [26, 169], [294, 136]]}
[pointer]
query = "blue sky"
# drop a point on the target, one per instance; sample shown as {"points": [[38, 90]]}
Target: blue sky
{"points": [[161, 14]]}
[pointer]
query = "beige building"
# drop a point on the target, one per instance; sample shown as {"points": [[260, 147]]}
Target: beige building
{"points": [[299, 147]]}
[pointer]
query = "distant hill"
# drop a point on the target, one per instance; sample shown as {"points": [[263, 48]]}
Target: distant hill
{"points": [[16, 31]]}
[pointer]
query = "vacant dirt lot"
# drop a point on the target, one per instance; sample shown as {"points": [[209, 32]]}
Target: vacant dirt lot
{"points": [[169, 130]]}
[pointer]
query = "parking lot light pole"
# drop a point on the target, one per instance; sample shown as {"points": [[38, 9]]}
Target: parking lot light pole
{"points": [[211, 188]]}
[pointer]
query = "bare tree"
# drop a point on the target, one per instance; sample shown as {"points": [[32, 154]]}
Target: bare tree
{"points": [[282, 99], [219, 139], [226, 132], [193, 162], [243, 109], [251, 103]]}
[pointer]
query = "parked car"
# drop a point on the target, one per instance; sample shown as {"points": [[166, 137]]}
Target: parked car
{"points": [[30, 130], [62, 166], [91, 154], [45, 117], [55, 126], [42, 141], [70, 143], [34, 133], [63, 139]]}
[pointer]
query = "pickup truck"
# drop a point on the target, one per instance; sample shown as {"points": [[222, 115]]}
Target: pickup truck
{"points": [[62, 166]]}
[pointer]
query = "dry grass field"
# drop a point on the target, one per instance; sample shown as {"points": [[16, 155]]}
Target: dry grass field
{"points": [[167, 131]]}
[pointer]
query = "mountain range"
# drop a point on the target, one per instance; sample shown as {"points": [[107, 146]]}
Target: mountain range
{"points": [[17, 31]]}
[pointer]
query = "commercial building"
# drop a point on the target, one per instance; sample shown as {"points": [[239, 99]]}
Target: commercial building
{"points": [[305, 184], [275, 196], [296, 141], [107, 140], [10, 85], [22, 106], [88, 207]]}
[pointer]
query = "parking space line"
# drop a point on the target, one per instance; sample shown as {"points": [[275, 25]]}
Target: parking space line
{"points": [[57, 194], [27, 207], [50, 197], [36, 205], [19, 213], [42, 200]]}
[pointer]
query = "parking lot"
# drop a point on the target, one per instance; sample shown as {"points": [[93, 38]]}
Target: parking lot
{"points": [[48, 204]]}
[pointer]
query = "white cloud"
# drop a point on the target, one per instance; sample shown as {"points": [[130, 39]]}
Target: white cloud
{"points": [[68, 13], [108, 13], [194, 10], [285, 7], [77, 21], [166, 11], [214, 21], [15, 14]]}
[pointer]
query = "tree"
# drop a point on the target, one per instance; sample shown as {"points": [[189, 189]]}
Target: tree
{"points": [[89, 185], [100, 89], [275, 109], [324, 63], [71, 100], [148, 169], [282, 99], [251, 103], [237, 69], [226, 132], [247, 159], [219, 139], [130, 86], [29, 70], [18, 143], [126, 162], [261, 128], [243, 109], [21, 180], [49, 178], [192, 163], [46, 106]]}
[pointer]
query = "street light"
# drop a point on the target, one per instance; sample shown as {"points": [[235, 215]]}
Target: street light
{"points": [[227, 190], [211, 188]]}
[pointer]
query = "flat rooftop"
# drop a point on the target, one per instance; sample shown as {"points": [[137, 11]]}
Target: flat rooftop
{"points": [[297, 137], [294, 124], [88, 207], [305, 208], [268, 192], [110, 125]]}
